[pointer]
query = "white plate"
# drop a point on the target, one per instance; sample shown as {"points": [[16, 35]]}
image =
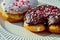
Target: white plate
{"points": [[18, 30]]}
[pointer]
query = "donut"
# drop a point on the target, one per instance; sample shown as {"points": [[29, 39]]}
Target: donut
{"points": [[15, 9], [43, 17], [54, 20], [35, 20], [54, 23], [3, 13], [54, 29], [13, 18], [34, 28]]}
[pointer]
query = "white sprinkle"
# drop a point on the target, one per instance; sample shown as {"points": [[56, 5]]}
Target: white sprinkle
{"points": [[34, 14], [46, 9], [51, 20], [56, 17]]}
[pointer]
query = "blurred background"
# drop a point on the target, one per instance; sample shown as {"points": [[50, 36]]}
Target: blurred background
{"points": [[1, 1]]}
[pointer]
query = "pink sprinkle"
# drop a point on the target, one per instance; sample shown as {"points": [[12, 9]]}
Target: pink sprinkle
{"points": [[29, 10], [53, 10], [22, 2], [14, 4], [44, 11], [56, 13], [53, 13], [38, 11], [28, 5], [52, 7], [32, 12], [19, 6]]}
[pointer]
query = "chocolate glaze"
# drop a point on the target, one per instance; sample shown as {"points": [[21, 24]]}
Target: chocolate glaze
{"points": [[44, 14], [54, 19], [33, 17]]}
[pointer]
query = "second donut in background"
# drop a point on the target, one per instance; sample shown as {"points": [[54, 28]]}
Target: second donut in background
{"points": [[15, 9]]}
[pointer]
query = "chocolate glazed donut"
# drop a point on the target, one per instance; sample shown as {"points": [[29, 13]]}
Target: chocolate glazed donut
{"points": [[54, 20], [35, 20], [54, 23]]}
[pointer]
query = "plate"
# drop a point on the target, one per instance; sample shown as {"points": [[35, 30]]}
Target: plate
{"points": [[16, 31]]}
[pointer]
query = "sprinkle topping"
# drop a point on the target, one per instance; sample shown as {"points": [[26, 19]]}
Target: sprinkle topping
{"points": [[41, 14], [19, 5]]}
